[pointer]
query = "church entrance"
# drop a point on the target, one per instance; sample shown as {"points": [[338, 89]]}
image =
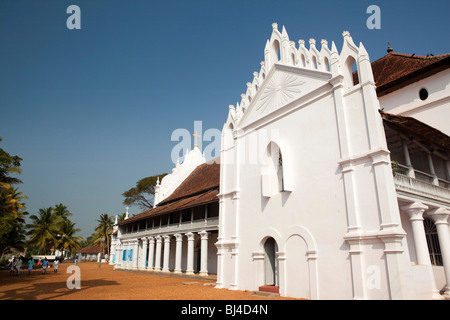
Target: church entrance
{"points": [[270, 262]]}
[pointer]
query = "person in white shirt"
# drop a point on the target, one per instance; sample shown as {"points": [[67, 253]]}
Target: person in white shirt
{"points": [[55, 266]]}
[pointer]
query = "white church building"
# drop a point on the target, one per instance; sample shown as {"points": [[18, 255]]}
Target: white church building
{"points": [[333, 182]]}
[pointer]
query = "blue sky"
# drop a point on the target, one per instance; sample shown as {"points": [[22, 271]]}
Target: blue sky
{"points": [[91, 111]]}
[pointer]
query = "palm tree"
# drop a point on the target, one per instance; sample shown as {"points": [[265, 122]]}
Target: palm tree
{"points": [[104, 230], [8, 165], [68, 241], [62, 211], [121, 217], [44, 229], [12, 220]]}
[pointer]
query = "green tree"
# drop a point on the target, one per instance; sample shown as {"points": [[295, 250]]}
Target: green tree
{"points": [[104, 230], [62, 211], [12, 207], [67, 239], [44, 229], [143, 194], [12, 220], [8, 165]]}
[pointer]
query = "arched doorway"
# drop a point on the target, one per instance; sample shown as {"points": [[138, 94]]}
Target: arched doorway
{"points": [[270, 263]]}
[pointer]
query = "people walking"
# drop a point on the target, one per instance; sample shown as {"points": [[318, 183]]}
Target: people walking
{"points": [[12, 266], [55, 266], [18, 265], [30, 265], [44, 265]]}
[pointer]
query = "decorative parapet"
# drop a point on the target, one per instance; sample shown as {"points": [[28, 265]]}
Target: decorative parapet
{"points": [[280, 49], [420, 188]]}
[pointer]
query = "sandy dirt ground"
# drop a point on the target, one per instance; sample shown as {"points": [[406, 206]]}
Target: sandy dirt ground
{"points": [[105, 283]]}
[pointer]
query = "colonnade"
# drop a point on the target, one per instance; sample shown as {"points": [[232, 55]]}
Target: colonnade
{"points": [[416, 211], [134, 253]]}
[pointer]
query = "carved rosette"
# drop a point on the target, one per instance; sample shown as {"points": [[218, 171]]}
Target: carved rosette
{"points": [[281, 89]]}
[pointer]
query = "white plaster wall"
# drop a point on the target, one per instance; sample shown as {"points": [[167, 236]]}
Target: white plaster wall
{"points": [[434, 111], [316, 204]]}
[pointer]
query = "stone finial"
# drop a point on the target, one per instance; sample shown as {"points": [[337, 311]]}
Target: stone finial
{"points": [[346, 34], [275, 26], [389, 49]]}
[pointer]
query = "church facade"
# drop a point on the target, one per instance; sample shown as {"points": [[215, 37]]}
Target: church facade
{"points": [[333, 182]]}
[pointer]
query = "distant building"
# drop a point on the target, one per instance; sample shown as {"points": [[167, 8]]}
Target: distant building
{"points": [[89, 253]]}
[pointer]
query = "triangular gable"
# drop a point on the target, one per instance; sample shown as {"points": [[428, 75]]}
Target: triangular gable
{"points": [[282, 86]]}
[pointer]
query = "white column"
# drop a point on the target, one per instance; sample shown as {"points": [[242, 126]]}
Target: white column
{"points": [[190, 253], [415, 211], [204, 253], [179, 244], [135, 254], [143, 254], [158, 253], [440, 217], [166, 253], [151, 253], [410, 172]]}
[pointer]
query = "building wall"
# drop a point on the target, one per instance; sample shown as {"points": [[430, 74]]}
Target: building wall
{"points": [[434, 111], [337, 225]]}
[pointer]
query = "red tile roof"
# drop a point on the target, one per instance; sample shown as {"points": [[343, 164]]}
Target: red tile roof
{"points": [[419, 130], [396, 70], [200, 187], [92, 250]]}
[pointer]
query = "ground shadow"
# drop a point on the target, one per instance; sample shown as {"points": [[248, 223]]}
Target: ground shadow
{"points": [[26, 288]]}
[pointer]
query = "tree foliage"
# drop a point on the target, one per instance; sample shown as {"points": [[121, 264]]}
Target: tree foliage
{"points": [[104, 231], [8, 165], [12, 207], [143, 193], [51, 228]]}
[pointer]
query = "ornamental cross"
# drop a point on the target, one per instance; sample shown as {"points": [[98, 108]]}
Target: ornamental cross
{"points": [[196, 136]]}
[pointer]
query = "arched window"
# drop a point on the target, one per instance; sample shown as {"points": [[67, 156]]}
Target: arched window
{"points": [[433, 242], [272, 171], [314, 61], [327, 64], [303, 61], [276, 51], [351, 72], [293, 59]]}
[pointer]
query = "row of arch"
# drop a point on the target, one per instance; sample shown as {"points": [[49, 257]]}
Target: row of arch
{"points": [[293, 257]]}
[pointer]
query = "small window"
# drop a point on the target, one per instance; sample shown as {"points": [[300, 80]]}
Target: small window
{"points": [[423, 94], [280, 172], [327, 64], [314, 62]]}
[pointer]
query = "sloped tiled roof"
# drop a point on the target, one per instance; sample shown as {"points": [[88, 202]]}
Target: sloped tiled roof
{"points": [[91, 250], [200, 187], [396, 70], [418, 129], [204, 177]]}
